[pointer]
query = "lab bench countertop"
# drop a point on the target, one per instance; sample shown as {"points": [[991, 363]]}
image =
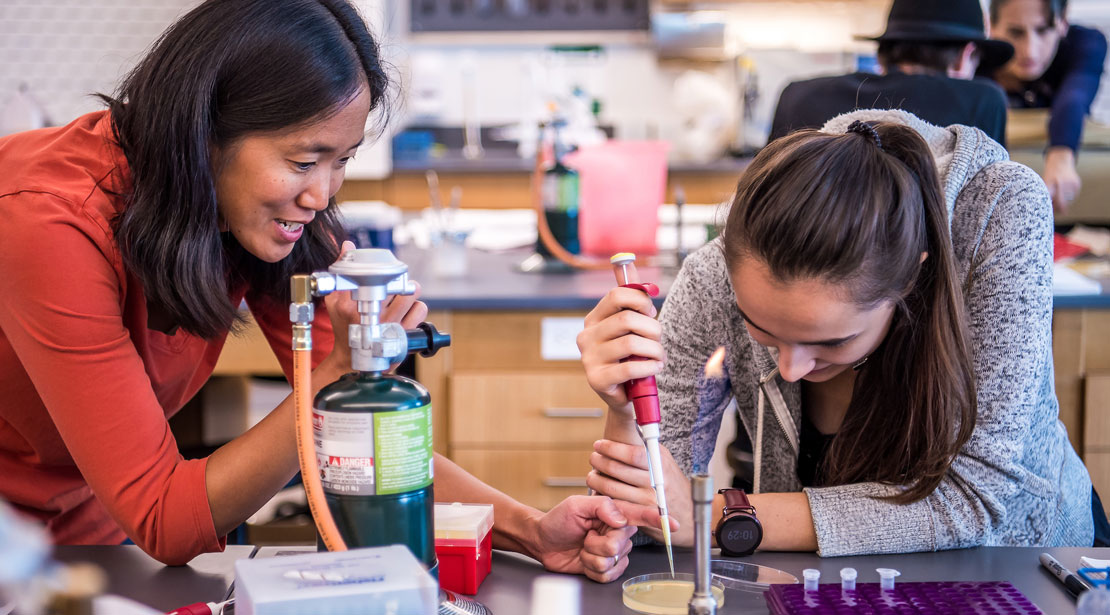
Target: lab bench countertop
{"points": [[507, 590], [493, 281]]}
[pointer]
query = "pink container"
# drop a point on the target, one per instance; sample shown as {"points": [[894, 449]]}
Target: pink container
{"points": [[622, 184]]}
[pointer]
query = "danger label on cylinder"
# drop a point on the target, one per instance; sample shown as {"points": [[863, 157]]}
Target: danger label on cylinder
{"points": [[379, 453], [345, 451]]}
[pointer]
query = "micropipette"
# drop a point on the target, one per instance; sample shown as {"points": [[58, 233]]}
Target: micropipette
{"points": [[645, 401]]}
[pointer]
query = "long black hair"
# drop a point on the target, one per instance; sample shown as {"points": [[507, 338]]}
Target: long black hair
{"points": [[859, 210], [227, 69]]}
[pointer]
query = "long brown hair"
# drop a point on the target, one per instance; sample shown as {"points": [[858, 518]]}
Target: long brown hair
{"points": [[858, 211]]}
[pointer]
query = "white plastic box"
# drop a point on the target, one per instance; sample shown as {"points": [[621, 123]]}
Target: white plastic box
{"points": [[375, 581]]}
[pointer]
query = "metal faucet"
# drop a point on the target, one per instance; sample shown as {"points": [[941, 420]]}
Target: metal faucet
{"points": [[702, 602]]}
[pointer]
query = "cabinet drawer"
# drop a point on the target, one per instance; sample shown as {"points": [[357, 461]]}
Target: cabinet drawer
{"points": [[1098, 464], [1096, 413], [540, 478], [247, 353], [503, 340], [554, 409]]}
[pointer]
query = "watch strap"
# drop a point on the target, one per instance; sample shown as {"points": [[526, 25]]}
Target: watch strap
{"points": [[736, 501]]}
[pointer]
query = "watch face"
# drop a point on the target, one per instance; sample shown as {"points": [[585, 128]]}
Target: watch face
{"points": [[739, 535]]}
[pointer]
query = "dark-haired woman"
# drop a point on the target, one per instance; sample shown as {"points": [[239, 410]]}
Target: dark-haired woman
{"points": [[130, 238], [1055, 65], [882, 289]]}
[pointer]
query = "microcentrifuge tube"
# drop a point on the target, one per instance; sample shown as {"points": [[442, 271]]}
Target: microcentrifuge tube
{"points": [[847, 579], [886, 577], [812, 578]]}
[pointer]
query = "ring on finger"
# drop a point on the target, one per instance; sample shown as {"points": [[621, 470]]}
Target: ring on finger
{"points": [[616, 559]]}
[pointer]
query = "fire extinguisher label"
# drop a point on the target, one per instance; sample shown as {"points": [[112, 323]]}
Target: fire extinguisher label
{"points": [[345, 451], [403, 443]]}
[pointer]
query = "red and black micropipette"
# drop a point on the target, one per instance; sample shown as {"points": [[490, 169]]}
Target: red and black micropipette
{"points": [[644, 396]]}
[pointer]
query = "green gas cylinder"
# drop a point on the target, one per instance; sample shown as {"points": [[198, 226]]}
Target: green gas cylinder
{"points": [[373, 435]]}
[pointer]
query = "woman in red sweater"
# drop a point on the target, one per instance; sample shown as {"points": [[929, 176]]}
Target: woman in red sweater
{"points": [[131, 236]]}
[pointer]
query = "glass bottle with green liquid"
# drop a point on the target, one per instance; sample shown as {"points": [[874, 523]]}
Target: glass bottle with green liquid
{"points": [[560, 197]]}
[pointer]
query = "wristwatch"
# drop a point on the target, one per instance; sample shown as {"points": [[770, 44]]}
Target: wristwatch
{"points": [[739, 531]]}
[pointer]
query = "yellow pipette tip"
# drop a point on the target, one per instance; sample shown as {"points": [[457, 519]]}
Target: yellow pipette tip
{"points": [[666, 525]]}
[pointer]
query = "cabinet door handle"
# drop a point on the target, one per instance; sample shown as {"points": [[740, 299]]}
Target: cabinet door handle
{"points": [[573, 413], [564, 481]]}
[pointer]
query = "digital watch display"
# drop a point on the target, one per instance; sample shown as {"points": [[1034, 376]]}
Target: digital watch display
{"points": [[739, 531]]}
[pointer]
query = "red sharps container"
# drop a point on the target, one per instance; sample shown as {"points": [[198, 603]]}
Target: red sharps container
{"points": [[464, 542]]}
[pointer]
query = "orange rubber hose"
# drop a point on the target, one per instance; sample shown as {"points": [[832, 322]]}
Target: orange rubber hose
{"points": [[306, 452]]}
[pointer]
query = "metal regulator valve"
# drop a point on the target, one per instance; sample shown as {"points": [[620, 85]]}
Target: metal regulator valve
{"points": [[372, 275]]}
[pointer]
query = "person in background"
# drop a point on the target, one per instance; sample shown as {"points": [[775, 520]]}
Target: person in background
{"points": [[1055, 65], [883, 292], [929, 54], [130, 238]]}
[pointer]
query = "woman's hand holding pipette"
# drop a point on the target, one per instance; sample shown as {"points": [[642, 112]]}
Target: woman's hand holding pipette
{"points": [[622, 325], [620, 471]]}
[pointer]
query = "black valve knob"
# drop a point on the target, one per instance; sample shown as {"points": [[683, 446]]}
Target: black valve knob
{"points": [[426, 340]]}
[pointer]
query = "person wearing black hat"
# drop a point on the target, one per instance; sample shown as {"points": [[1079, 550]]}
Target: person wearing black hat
{"points": [[929, 54]]}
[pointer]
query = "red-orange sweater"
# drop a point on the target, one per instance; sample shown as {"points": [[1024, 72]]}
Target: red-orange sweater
{"points": [[85, 387]]}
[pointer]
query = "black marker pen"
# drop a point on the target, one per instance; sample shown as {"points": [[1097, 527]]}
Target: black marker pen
{"points": [[1071, 581]]}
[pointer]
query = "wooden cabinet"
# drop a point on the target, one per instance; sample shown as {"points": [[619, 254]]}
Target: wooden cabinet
{"points": [[1096, 432], [512, 190], [247, 353], [514, 409], [539, 477], [522, 423], [1081, 357]]}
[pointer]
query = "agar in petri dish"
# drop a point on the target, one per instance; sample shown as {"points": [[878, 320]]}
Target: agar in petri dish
{"points": [[659, 594]]}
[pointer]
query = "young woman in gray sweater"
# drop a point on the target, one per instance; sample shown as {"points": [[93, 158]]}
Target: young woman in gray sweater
{"points": [[884, 286]]}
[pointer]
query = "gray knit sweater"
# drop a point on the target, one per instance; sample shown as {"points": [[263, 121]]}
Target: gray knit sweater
{"points": [[1017, 481]]}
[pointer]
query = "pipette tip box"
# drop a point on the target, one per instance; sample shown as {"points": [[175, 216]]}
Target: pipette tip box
{"points": [[464, 545], [373, 581]]}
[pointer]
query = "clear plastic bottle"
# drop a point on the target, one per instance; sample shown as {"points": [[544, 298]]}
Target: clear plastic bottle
{"points": [[1094, 602], [556, 595], [31, 583], [24, 558]]}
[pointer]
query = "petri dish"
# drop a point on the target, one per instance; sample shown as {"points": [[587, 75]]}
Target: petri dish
{"points": [[748, 577], [660, 594]]}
